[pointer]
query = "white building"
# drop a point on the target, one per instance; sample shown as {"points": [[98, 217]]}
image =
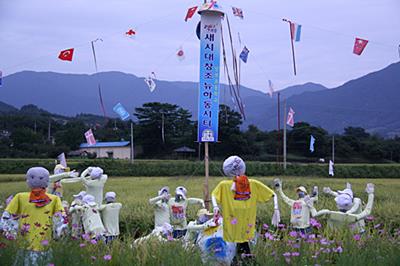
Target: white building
{"points": [[116, 150]]}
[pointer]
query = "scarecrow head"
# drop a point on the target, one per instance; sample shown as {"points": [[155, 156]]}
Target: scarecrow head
{"points": [[110, 197], [234, 166], [37, 177]]}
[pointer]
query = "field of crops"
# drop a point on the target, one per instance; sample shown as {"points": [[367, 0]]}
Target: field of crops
{"points": [[380, 245]]}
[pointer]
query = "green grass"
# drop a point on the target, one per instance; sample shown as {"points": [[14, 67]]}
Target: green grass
{"points": [[380, 247]]}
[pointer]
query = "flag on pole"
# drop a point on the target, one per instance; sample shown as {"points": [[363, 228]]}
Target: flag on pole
{"points": [[244, 54], [191, 11], [295, 31], [180, 54], [1, 78], [131, 34], [359, 46], [66, 55], [90, 137], [61, 158], [312, 141], [150, 83], [238, 12], [121, 111], [271, 88], [290, 117], [331, 168]]}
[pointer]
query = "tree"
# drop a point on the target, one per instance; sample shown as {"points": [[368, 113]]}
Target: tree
{"points": [[162, 127]]}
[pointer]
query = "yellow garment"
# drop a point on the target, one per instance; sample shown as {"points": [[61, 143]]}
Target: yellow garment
{"points": [[39, 220], [240, 215]]}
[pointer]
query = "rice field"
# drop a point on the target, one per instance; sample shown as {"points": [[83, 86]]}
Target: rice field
{"points": [[379, 245]]}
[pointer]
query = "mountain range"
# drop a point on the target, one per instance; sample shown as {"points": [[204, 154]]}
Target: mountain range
{"points": [[370, 101]]}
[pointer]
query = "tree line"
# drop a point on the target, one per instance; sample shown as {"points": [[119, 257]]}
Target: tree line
{"points": [[159, 128]]}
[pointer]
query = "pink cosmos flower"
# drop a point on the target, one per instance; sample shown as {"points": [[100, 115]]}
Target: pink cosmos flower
{"points": [[86, 237], [357, 237], [107, 257], [370, 218], [269, 236], [315, 223], [265, 226], [295, 254], [293, 234], [339, 249], [286, 254], [82, 245], [93, 241]]}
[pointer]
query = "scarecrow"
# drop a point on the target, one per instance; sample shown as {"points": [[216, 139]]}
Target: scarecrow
{"points": [[110, 216], [161, 209]]}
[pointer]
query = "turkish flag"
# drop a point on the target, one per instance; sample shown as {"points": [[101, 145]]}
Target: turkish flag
{"points": [[66, 55], [190, 12], [359, 46]]}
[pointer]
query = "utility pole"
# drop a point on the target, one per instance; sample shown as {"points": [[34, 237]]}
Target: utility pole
{"points": [[333, 148], [279, 130], [132, 151], [284, 134]]}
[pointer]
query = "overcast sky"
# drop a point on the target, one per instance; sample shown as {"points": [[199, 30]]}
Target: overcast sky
{"points": [[33, 32]]}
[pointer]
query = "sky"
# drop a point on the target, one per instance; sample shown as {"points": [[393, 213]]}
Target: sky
{"points": [[32, 33]]}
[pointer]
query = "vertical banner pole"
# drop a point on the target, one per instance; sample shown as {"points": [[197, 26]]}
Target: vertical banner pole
{"points": [[333, 148], [209, 85], [284, 135], [206, 189]]}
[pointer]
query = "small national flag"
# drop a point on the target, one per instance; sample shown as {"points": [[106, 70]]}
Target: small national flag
{"points": [[295, 31], [238, 12], [180, 54], [290, 117], [1, 78], [271, 88], [66, 55], [331, 168], [190, 13], [359, 46], [244, 54], [90, 137], [131, 33], [312, 141], [150, 83], [121, 111], [61, 158]]}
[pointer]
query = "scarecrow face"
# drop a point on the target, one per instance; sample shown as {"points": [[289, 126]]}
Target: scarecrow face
{"points": [[37, 177], [344, 202]]}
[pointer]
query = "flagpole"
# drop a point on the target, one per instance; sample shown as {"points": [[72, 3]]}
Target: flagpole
{"points": [[291, 42], [279, 129], [132, 151], [284, 135], [333, 148]]}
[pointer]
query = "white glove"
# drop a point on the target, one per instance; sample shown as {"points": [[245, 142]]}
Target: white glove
{"points": [[308, 201], [276, 218], [315, 191], [211, 223], [73, 173], [327, 190], [277, 183], [370, 188]]}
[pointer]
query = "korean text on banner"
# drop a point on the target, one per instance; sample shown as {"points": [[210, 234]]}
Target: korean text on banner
{"points": [[209, 86]]}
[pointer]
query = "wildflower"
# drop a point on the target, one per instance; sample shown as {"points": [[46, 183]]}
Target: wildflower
{"points": [[74, 226], [286, 254], [107, 257], [281, 226], [315, 223], [82, 245], [296, 245], [377, 226], [295, 254], [293, 233], [323, 241], [265, 226], [170, 238], [86, 236], [44, 242], [93, 241], [339, 249], [312, 236], [234, 221], [357, 237], [370, 218], [269, 236], [327, 250]]}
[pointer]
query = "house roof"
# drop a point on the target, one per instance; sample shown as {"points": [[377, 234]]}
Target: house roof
{"points": [[105, 144], [184, 149]]}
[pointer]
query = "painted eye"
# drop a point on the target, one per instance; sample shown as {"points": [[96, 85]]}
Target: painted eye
{"points": [[41, 178]]}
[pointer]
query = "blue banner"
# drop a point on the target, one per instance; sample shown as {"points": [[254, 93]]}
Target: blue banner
{"points": [[209, 87], [121, 111]]}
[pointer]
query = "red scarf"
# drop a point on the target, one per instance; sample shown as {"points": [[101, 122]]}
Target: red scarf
{"points": [[242, 185], [39, 197]]}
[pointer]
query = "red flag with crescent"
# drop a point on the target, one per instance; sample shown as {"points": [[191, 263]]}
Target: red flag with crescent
{"points": [[66, 55]]}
